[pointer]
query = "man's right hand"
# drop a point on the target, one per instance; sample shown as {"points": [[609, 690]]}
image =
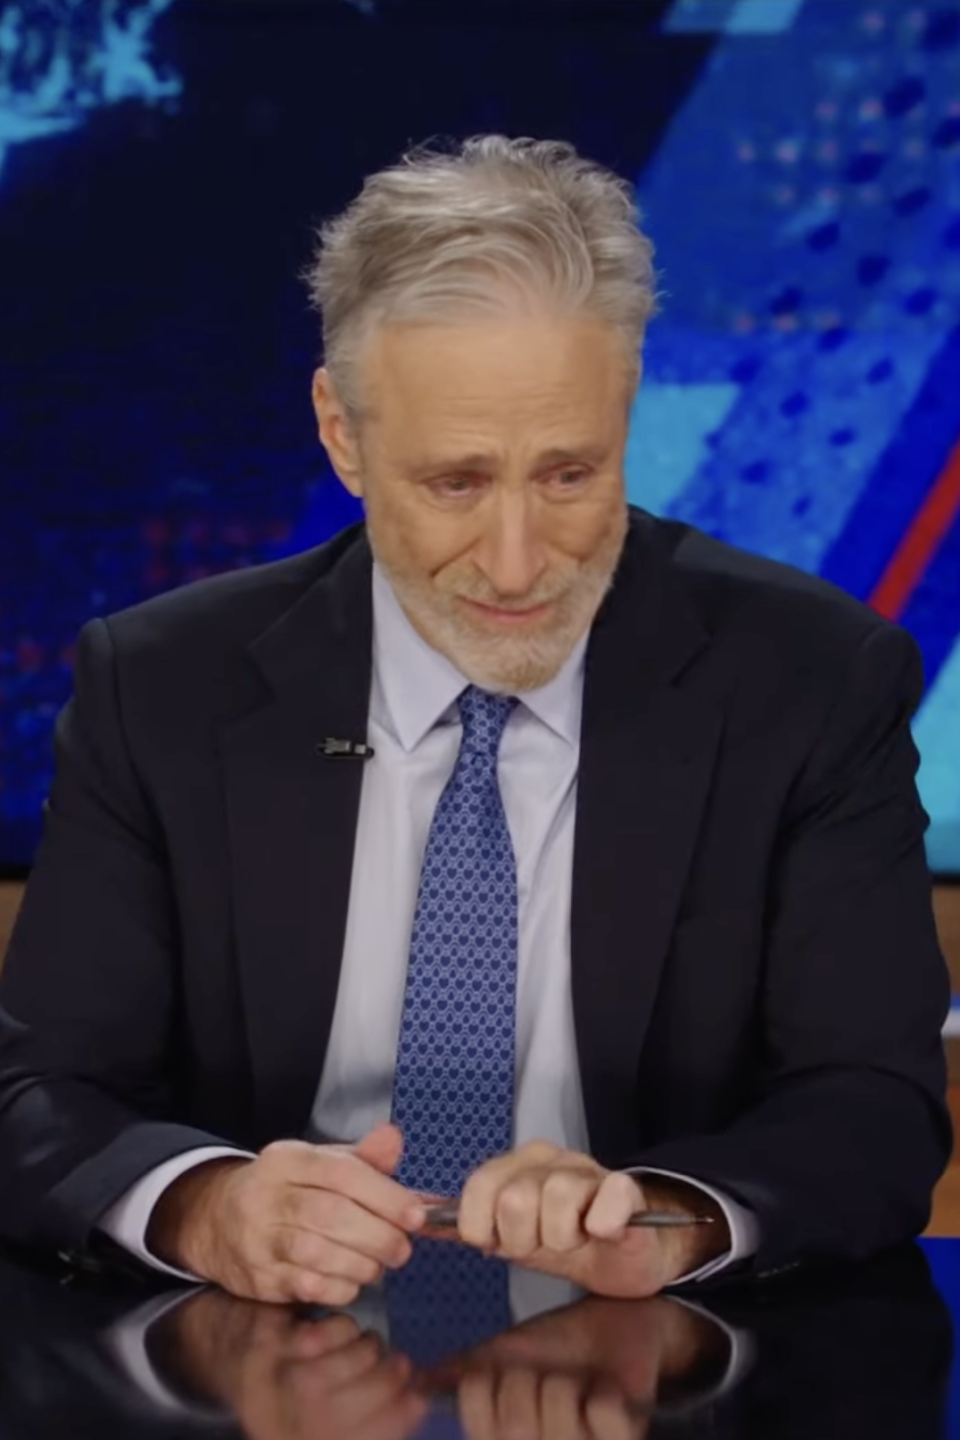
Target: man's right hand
{"points": [[301, 1222]]}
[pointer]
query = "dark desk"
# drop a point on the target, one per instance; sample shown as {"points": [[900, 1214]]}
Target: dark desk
{"points": [[866, 1352]]}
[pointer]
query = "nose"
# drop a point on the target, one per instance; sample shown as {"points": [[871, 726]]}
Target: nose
{"points": [[510, 553]]}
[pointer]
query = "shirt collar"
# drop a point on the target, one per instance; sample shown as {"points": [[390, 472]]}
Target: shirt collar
{"points": [[417, 685]]}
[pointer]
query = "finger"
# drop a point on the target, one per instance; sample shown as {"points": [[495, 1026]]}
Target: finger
{"points": [[560, 1408], [396, 1421], [477, 1406], [616, 1200], [328, 1218], [518, 1404], [350, 1365], [565, 1199], [306, 1250], [381, 1148], [477, 1203], [307, 1287], [344, 1173], [399, 1419], [517, 1217], [608, 1418], [348, 1409], [312, 1339]]}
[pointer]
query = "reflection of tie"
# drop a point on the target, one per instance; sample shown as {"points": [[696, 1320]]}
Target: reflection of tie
{"points": [[454, 1083], [446, 1300]]}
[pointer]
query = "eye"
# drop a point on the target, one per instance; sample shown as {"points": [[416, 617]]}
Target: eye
{"points": [[454, 485], [568, 478]]}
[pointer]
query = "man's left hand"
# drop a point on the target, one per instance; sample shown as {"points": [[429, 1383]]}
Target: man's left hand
{"points": [[561, 1212]]}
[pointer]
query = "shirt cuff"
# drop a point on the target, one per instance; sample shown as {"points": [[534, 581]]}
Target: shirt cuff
{"points": [[741, 1222], [128, 1218]]}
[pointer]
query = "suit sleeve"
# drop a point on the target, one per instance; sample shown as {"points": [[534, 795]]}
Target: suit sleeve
{"points": [[847, 1130], [88, 991]]}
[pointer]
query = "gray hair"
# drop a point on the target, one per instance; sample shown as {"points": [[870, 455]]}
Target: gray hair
{"points": [[443, 234]]}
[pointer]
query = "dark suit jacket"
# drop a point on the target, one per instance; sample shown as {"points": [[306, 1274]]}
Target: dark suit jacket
{"points": [[757, 985]]}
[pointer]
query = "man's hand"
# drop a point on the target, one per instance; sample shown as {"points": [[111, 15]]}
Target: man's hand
{"points": [[286, 1378], [300, 1222], [558, 1211], [589, 1371]]}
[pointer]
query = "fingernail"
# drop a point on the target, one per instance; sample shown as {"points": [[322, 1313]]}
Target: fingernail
{"points": [[415, 1217]]}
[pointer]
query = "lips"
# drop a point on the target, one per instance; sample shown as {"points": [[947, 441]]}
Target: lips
{"points": [[509, 616]]}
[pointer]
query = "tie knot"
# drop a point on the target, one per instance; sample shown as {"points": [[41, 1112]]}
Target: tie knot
{"points": [[484, 719]]}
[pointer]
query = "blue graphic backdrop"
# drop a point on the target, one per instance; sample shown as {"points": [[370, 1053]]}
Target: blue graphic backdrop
{"points": [[162, 163]]}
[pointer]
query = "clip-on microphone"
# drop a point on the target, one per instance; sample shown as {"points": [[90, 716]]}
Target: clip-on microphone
{"points": [[332, 748]]}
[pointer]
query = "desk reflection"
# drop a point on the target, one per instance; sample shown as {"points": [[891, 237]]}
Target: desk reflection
{"points": [[595, 1368], [864, 1352]]}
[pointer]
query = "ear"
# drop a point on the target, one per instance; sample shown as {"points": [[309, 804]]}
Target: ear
{"points": [[337, 433]]}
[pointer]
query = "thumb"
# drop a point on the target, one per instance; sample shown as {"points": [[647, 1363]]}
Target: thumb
{"points": [[381, 1148]]}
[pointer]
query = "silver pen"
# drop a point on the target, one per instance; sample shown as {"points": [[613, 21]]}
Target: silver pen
{"points": [[444, 1214]]}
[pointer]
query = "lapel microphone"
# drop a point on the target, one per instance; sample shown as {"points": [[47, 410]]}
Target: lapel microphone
{"points": [[332, 748]]}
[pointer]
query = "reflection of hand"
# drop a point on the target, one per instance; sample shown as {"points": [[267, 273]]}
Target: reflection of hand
{"points": [[299, 1222], [286, 1378], [561, 1212], [591, 1371]]}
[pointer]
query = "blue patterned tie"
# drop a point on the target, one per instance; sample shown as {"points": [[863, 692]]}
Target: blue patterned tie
{"points": [[454, 1083]]}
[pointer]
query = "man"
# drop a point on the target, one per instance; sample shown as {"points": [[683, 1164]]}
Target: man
{"points": [[514, 843]]}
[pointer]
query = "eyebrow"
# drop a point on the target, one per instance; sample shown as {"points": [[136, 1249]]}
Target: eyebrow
{"points": [[480, 463]]}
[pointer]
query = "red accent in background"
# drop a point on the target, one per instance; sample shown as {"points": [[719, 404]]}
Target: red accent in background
{"points": [[915, 553]]}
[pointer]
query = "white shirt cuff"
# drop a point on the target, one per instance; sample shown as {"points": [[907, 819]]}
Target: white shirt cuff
{"points": [[127, 1220], [741, 1222]]}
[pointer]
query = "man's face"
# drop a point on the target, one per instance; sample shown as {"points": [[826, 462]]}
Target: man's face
{"points": [[490, 462]]}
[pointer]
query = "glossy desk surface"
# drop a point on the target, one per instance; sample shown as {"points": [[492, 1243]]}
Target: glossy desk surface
{"points": [[864, 1351]]}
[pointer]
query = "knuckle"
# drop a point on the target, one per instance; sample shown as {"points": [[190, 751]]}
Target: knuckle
{"points": [[279, 1153], [562, 1188], [516, 1200], [624, 1188]]}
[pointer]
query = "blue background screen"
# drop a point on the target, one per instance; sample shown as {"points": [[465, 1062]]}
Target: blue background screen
{"points": [[163, 164]]}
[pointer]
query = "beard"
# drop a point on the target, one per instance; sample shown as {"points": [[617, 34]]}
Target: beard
{"points": [[500, 661]]}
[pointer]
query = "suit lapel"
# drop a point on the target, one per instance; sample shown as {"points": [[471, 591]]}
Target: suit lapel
{"points": [[646, 761], [292, 818]]}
